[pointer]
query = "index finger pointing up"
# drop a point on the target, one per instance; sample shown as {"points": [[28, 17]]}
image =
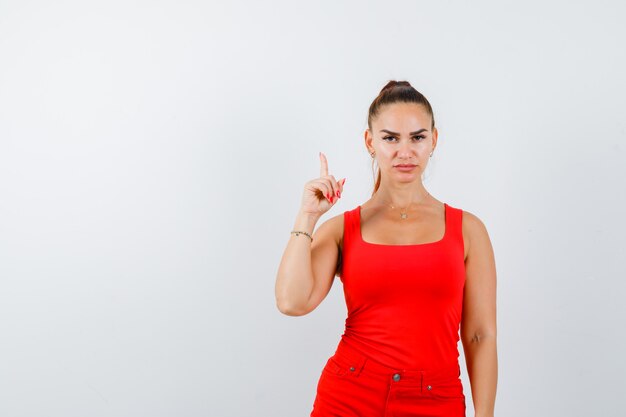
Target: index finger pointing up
{"points": [[324, 165]]}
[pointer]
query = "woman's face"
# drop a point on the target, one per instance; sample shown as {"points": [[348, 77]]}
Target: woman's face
{"points": [[401, 135]]}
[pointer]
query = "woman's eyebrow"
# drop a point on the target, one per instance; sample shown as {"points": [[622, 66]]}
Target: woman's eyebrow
{"points": [[412, 133]]}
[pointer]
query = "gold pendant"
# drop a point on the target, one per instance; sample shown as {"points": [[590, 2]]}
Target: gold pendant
{"points": [[403, 215]]}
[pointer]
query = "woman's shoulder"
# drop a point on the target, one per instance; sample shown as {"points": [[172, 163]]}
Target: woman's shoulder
{"points": [[333, 227], [471, 220], [474, 229]]}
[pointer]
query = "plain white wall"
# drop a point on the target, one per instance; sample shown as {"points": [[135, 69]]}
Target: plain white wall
{"points": [[152, 159]]}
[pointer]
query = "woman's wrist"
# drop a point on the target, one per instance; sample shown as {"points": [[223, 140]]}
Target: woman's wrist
{"points": [[305, 222]]}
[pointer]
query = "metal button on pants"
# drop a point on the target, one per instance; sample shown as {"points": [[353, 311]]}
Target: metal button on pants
{"points": [[353, 385]]}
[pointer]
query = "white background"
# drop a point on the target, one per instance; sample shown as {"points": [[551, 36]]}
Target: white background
{"points": [[152, 159]]}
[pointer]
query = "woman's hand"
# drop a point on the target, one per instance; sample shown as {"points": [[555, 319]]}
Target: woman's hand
{"points": [[321, 193]]}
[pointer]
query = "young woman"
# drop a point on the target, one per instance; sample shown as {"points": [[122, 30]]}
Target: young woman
{"points": [[414, 270]]}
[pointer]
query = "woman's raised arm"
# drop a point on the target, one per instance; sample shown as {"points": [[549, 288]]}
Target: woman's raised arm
{"points": [[309, 261]]}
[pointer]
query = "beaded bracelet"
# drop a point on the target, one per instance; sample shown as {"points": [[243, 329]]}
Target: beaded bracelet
{"points": [[298, 232]]}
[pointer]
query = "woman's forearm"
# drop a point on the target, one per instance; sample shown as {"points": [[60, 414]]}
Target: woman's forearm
{"points": [[482, 366], [294, 280]]}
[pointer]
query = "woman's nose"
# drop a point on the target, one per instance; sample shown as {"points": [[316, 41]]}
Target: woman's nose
{"points": [[406, 148]]}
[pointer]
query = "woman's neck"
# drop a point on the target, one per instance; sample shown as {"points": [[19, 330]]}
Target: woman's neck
{"points": [[401, 196]]}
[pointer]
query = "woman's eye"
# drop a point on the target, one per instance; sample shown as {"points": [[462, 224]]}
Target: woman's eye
{"points": [[418, 137]]}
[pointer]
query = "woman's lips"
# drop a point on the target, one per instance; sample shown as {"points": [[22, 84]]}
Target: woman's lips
{"points": [[405, 167]]}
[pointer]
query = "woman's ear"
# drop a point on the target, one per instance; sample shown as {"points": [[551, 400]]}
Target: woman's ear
{"points": [[368, 141]]}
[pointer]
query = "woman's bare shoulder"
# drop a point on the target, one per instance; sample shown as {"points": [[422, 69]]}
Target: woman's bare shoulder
{"points": [[333, 228], [472, 222], [474, 229]]}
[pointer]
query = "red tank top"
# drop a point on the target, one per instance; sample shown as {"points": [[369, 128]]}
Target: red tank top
{"points": [[404, 301]]}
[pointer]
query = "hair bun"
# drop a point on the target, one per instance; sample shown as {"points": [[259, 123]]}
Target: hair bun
{"points": [[394, 83]]}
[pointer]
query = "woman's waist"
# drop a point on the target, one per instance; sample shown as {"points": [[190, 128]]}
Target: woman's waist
{"points": [[434, 364]]}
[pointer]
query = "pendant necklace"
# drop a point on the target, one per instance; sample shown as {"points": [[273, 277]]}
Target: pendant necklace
{"points": [[404, 213]]}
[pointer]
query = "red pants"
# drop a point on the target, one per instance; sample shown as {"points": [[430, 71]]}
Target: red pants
{"points": [[354, 385]]}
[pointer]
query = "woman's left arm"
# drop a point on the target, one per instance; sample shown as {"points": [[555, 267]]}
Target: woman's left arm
{"points": [[478, 322]]}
